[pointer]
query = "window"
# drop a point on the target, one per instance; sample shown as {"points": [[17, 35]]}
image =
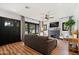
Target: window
{"points": [[37, 28], [31, 28], [26, 28], [64, 28]]}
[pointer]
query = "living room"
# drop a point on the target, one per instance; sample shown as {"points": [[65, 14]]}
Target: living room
{"points": [[47, 32]]}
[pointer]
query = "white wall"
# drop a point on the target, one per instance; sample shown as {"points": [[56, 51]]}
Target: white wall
{"points": [[8, 14], [31, 20], [76, 26], [12, 15]]}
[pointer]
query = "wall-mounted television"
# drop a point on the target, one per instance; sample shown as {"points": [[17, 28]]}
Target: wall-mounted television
{"points": [[54, 24]]}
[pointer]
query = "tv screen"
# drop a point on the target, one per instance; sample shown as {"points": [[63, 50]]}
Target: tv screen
{"points": [[54, 24]]}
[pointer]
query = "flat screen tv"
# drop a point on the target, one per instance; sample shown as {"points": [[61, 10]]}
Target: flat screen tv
{"points": [[54, 24]]}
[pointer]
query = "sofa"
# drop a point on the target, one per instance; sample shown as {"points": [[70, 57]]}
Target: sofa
{"points": [[41, 44]]}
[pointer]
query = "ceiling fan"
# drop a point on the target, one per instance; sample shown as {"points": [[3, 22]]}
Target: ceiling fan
{"points": [[48, 15]]}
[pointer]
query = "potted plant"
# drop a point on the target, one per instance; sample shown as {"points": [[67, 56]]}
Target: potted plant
{"points": [[69, 24]]}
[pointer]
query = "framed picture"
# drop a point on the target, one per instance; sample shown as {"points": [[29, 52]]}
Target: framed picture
{"points": [[45, 27], [64, 28]]}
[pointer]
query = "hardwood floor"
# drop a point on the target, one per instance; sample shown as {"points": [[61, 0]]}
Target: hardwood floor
{"points": [[19, 48], [62, 48]]}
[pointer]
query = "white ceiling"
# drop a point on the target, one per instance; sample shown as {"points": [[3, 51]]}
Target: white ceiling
{"points": [[38, 10]]}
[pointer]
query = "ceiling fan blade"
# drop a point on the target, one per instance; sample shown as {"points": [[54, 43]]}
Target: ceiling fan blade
{"points": [[51, 17]]}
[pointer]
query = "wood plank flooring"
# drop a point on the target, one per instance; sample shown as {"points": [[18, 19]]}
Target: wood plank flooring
{"points": [[19, 48], [62, 48]]}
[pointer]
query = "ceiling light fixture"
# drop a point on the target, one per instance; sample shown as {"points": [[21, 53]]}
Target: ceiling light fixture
{"points": [[27, 7]]}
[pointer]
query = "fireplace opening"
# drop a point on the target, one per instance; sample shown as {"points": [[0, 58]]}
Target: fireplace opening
{"points": [[53, 36], [54, 33]]}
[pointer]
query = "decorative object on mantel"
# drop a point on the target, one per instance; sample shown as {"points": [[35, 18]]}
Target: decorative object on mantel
{"points": [[69, 24], [61, 36]]}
